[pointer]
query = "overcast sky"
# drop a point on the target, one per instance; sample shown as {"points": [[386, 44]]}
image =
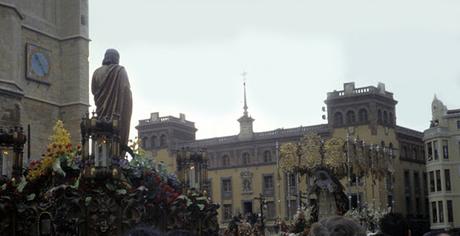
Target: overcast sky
{"points": [[185, 57]]}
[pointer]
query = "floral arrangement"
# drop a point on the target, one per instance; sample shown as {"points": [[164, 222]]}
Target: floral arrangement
{"points": [[60, 168], [368, 216], [59, 149]]}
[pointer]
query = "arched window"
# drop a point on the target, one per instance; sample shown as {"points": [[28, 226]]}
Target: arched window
{"points": [[390, 118], [338, 118], [351, 117], [245, 158], [144, 142], [163, 140], [391, 150], [153, 142], [362, 115], [379, 116], [267, 156], [385, 117], [225, 160]]}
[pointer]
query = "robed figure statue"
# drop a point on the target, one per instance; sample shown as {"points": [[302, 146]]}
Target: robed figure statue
{"points": [[112, 93]]}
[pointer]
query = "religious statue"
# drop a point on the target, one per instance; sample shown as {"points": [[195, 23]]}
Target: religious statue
{"points": [[327, 195], [112, 93]]}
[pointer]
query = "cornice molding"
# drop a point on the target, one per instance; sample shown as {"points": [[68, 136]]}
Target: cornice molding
{"points": [[55, 37], [14, 8], [54, 103], [12, 88]]}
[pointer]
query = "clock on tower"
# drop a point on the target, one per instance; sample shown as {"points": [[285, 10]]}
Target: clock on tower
{"points": [[38, 63]]}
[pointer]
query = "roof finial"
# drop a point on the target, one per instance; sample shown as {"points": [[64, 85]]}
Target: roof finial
{"points": [[245, 107]]}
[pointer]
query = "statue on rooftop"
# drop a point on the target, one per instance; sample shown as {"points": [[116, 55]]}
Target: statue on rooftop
{"points": [[112, 93]]}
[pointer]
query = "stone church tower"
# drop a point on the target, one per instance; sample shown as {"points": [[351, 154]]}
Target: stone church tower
{"points": [[44, 66], [370, 106]]}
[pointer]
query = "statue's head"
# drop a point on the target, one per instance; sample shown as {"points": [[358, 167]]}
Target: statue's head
{"points": [[111, 57]]}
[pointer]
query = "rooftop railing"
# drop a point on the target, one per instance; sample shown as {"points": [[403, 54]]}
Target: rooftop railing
{"points": [[166, 119], [359, 91], [292, 131], [279, 133]]}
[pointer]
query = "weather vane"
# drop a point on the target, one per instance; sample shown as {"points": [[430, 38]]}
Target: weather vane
{"points": [[244, 76]]}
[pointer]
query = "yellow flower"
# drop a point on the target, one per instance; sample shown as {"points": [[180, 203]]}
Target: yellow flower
{"points": [[59, 140]]}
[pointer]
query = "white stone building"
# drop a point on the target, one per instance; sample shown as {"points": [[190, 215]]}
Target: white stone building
{"points": [[442, 145]]}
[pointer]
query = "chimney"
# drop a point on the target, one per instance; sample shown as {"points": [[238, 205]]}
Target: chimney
{"points": [[348, 88], [182, 117], [381, 88], [154, 116]]}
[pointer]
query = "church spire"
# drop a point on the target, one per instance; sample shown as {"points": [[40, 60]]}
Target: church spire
{"points": [[246, 131], [245, 107]]}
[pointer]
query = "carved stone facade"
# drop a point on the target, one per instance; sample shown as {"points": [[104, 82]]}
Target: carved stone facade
{"points": [[49, 81], [246, 179]]}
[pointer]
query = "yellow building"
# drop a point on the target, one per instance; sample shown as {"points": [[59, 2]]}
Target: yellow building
{"points": [[243, 166], [442, 142]]}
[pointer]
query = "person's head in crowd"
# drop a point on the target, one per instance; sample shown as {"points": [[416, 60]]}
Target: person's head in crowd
{"points": [[143, 231], [394, 224], [336, 226], [180, 232], [442, 234]]}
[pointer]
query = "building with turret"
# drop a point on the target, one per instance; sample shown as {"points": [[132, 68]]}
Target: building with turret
{"points": [[442, 145], [244, 165]]}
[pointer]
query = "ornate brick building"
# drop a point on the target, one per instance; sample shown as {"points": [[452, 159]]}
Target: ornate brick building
{"points": [[244, 165]]}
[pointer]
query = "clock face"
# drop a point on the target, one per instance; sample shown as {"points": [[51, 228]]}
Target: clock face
{"points": [[40, 64]]}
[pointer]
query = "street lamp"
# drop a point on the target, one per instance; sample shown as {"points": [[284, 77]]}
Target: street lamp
{"points": [[101, 146], [262, 205], [192, 168], [11, 151], [348, 170]]}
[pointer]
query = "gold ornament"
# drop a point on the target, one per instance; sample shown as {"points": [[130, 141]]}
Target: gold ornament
{"points": [[288, 157], [334, 158], [114, 172], [93, 171], [311, 156]]}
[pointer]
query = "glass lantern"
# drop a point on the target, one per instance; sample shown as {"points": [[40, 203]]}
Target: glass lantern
{"points": [[7, 159], [102, 152]]}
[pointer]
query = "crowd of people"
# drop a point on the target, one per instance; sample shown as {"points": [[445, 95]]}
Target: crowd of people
{"points": [[148, 231], [392, 224]]}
